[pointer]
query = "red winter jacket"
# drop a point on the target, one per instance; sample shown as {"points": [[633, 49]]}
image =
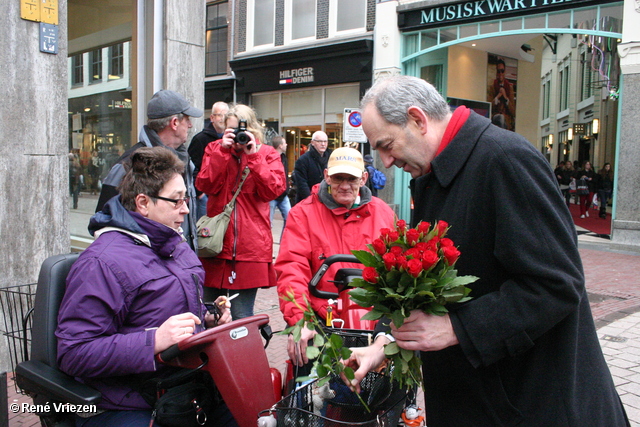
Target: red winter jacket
{"points": [[314, 232], [249, 232]]}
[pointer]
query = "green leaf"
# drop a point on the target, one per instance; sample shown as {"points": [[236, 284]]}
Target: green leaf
{"points": [[372, 315], [322, 371], [407, 354], [391, 349], [348, 372], [313, 352], [297, 333], [318, 340], [397, 318], [345, 353], [336, 341], [323, 381], [366, 258]]}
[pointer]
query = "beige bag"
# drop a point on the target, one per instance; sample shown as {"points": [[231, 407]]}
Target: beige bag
{"points": [[211, 230]]}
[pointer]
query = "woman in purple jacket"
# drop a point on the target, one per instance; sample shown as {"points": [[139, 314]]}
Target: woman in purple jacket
{"points": [[134, 292]]}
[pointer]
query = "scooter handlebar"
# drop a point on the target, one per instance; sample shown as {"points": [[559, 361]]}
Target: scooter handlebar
{"points": [[313, 284]]}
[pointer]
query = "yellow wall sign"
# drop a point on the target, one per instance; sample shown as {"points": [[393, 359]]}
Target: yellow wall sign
{"points": [[40, 11]]}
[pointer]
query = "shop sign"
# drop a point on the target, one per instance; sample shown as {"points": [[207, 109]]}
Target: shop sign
{"points": [[353, 126], [296, 76], [484, 9], [117, 105], [579, 129]]}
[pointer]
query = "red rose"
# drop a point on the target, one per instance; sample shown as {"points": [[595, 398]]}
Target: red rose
{"points": [[413, 252], [444, 242], [401, 262], [379, 246], [451, 253], [401, 225], [384, 233], [396, 250], [413, 236], [442, 228], [414, 267], [429, 259], [389, 260], [393, 236], [370, 275], [421, 246], [423, 227], [432, 245]]}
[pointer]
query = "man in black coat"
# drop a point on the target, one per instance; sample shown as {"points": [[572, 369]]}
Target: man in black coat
{"points": [[524, 350], [309, 168], [213, 131], [168, 125]]}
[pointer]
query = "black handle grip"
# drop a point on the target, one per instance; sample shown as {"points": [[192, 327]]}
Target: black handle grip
{"points": [[170, 353], [313, 284]]}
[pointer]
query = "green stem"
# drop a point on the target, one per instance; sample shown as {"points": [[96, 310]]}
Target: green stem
{"points": [[363, 403]]}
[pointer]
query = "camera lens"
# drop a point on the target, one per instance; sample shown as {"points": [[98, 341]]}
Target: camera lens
{"points": [[242, 138]]}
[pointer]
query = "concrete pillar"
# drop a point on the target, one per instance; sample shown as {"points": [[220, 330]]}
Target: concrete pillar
{"points": [[34, 167], [626, 220]]}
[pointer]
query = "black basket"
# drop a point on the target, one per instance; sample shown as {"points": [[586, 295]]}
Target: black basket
{"points": [[352, 337], [16, 303], [384, 398]]}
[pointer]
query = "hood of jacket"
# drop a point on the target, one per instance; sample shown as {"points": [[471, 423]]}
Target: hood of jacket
{"points": [[114, 217]]}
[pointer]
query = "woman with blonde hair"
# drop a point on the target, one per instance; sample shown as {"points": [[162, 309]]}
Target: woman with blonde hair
{"points": [[246, 261]]}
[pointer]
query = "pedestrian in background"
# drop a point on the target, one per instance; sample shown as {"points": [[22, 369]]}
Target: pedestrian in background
{"points": [[213, 131], [309, 168], [282, 201], [564, 174], [588, 175], [246, 261], [604, 188]]}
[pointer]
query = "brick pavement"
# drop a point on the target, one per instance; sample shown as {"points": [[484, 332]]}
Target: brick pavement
{"points": [[613, 284]]}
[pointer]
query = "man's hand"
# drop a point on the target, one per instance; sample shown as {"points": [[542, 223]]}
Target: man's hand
{"points": [[364, 360], [298, 350], [425, 332], [175, 329]]}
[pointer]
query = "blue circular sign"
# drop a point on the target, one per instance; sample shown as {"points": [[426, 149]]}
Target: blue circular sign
{"points": [[355, 119]]}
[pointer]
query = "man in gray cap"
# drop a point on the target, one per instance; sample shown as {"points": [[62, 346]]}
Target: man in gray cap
{"points": [[168, 125]]}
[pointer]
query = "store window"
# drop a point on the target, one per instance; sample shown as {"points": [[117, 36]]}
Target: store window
{"points": [[260, 22], [347, 16], [216, 43], [77, 70], [95, 58], [116, 61]]}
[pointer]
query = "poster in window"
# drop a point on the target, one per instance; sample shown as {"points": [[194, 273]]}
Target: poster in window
{"points": [[502, 79]]}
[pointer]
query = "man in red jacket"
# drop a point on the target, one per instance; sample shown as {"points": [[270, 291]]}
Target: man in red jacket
{"points": [[341, 215]]}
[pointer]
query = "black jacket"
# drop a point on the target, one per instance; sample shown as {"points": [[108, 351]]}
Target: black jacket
{"points": [[198, 143], [309, 171], [528, 353]]}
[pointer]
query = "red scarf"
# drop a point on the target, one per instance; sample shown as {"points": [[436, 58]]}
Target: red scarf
{"points": [[459, 117]]}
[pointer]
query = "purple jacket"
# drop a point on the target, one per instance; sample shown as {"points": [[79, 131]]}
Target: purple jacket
{"points": [[132, 278]]}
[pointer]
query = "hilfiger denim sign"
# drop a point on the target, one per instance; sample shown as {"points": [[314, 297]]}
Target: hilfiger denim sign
{"points": [[296, 75], [481, 9]]}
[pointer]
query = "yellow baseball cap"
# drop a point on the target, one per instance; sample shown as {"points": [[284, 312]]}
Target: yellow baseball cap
{"points": [[345, 160]]}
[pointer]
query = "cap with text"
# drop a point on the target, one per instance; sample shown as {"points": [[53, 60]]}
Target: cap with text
{"points": [[166, 103], [345, 160]]}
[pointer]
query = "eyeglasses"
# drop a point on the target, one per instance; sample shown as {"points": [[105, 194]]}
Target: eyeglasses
{"points": [[178, 202], [338, 180], [320, 140], [500, 70]]}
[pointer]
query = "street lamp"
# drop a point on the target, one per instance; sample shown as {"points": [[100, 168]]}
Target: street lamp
{"points": [[595, 127]]}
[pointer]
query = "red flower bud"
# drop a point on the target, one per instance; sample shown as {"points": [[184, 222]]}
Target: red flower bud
{"points": [[423, 227], [444, 242], [442, 228], [401, 262], [393, 236], [413, 252], [413, 236], [396, 250], [379, 246], [370, 275], [429, 259], [451, 253], [401, 225], [384, 233], [432, 245], [414, 267], [389, 260]]}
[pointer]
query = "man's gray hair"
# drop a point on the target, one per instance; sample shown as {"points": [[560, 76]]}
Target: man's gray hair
{"points": [[394, 95], [159, 124], [277, 141]]}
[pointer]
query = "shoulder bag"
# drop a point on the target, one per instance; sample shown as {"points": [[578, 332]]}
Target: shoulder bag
{"points": [[211, 230]]}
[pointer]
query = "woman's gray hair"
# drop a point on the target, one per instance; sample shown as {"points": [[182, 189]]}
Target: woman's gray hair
{"points": [[394, 95]]}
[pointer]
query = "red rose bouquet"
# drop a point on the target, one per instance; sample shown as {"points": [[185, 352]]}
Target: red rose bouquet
{"points": [[409, 269]]}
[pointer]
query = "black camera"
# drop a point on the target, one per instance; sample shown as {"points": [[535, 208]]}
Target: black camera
{"points": [[242, 137]]}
